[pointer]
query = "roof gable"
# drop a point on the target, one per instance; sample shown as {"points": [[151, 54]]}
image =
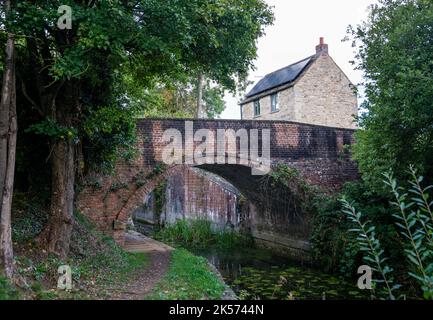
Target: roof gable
{"points": [[281, 77]]}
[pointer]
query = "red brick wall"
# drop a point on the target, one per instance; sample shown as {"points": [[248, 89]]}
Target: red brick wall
{"points": [[192, 195], [317, 152]]}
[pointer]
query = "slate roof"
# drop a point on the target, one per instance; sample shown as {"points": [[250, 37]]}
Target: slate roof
{"points": [[280, 77]]}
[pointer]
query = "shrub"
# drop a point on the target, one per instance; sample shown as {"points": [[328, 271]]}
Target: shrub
{"points": [[333, 247], [414, 218]]}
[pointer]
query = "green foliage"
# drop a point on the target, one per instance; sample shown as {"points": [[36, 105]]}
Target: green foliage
{"points": [[109, 133], [283, 174], [7, 292], [190, 233], [284, 187], [52, 129], [188, 278], [415, 220], [374, 254], [395, 52], [332, 247], [111, 265], [121, 59], [177, 99], [96, 260], [335, 249], [213, 101], [118, 186], [199, 234]]}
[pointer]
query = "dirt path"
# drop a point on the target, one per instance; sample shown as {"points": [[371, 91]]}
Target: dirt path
{"points": [[144, 281]]}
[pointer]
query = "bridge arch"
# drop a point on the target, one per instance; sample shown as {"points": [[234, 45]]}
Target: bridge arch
{"points": [[229, 172], [317, 152], [273, 221]]}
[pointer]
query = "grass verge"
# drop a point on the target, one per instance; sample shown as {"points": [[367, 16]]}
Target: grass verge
{"points": [[188, 278]]}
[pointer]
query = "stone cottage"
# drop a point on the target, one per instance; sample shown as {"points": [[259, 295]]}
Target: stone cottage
{"points": [[314, 90]]}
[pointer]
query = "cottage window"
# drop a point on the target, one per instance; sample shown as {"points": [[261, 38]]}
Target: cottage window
{"points": [[274, 102], [257, 108]]}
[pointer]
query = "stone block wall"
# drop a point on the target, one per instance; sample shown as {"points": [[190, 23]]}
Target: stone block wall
{"points": [[325, 96]]}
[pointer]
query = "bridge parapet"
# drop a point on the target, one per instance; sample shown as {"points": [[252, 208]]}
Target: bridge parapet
{"points": [[318, 152]]}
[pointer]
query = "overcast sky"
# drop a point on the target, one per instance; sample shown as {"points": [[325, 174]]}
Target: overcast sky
{"points": [[296, 31]]}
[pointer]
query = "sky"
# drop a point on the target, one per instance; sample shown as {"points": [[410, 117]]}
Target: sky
{"points": [[296, 31]]}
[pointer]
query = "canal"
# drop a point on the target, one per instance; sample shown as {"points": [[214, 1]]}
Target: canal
{"points": [[255, 273]]}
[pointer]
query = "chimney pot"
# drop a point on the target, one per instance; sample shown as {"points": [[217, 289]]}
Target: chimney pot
{"points": [[322, 48]]}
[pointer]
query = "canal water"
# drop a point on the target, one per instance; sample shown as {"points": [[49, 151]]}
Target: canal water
{"points": [[259, 274], [255, 273]]}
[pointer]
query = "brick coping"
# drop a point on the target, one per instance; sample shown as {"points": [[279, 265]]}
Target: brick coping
{"points": [[245, 121]]}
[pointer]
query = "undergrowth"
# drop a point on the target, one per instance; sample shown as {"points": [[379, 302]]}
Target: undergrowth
{"points": [[96, 261]]}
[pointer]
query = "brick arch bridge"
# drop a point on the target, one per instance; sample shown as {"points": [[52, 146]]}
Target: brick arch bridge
{"points": [[317, 152]]}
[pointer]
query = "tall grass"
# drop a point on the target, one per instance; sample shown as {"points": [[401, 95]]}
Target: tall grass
{"points": [[199, 234]]}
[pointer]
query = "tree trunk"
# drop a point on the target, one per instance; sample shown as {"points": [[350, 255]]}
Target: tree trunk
{"points": [[57, 234], [200, 84], [8, 136]]}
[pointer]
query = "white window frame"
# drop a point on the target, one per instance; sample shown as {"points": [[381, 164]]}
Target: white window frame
{"points": [[277, 102], [257, 107]]}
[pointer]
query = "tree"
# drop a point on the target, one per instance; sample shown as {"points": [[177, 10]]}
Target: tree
{"points": [[73, 77], [395, 52], [8, 137], [177, 100]]}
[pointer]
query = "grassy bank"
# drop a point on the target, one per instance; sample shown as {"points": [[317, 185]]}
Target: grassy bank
{"points": [[94, 275], [189, 278], [98, 264]]}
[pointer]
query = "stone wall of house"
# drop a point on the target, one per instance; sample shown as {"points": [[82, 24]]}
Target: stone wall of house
{"points": [[323, 95], [286, 103]]}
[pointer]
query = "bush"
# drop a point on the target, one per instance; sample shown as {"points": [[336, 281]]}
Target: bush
{"points": [[413, 215], [333, 247]]}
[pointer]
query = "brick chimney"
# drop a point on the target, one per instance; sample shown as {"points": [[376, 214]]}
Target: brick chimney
{"points": [[322, 47]]}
